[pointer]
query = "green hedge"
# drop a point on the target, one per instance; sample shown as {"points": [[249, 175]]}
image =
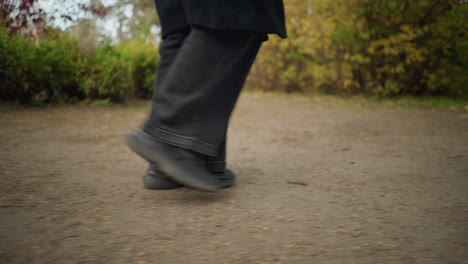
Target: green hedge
{"points": [[55, 70]]}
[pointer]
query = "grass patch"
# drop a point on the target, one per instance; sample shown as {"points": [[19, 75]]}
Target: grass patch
{"points": [[447, 103], [455, 104]]}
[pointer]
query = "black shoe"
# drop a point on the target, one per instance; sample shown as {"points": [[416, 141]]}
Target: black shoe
{"points": [[181, 165], [155, 179]]}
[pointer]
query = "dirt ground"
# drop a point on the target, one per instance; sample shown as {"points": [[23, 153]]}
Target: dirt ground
{"points": [[320, 180]]}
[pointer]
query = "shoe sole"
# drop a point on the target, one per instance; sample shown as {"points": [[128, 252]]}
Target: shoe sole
{"points": [[152, 182], [149, 151], [157, 183]]}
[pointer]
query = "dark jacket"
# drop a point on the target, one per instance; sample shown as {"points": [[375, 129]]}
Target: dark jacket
{"points": [[239, 15]]}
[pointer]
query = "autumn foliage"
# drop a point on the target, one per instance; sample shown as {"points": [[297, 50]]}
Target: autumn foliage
{"points": [[375, 47]]}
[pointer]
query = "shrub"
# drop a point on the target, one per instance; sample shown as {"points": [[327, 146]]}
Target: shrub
{"points": [[108, 75], [43, 73], [381, 48], [121, 72], [144, 58], [57, 71]]}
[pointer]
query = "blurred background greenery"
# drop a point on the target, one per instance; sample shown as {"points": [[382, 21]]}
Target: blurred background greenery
{"points": [[67, 51]]}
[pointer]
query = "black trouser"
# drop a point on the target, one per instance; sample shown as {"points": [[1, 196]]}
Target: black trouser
{"points": [[199, 77]]}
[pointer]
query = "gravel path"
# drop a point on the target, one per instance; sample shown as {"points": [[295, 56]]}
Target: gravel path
{"points": [[320, 180]]}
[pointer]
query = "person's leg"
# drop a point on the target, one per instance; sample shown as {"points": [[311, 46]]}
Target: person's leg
{"points": [[193, 104], [154, 178], [168, 50], [192, 107]]}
